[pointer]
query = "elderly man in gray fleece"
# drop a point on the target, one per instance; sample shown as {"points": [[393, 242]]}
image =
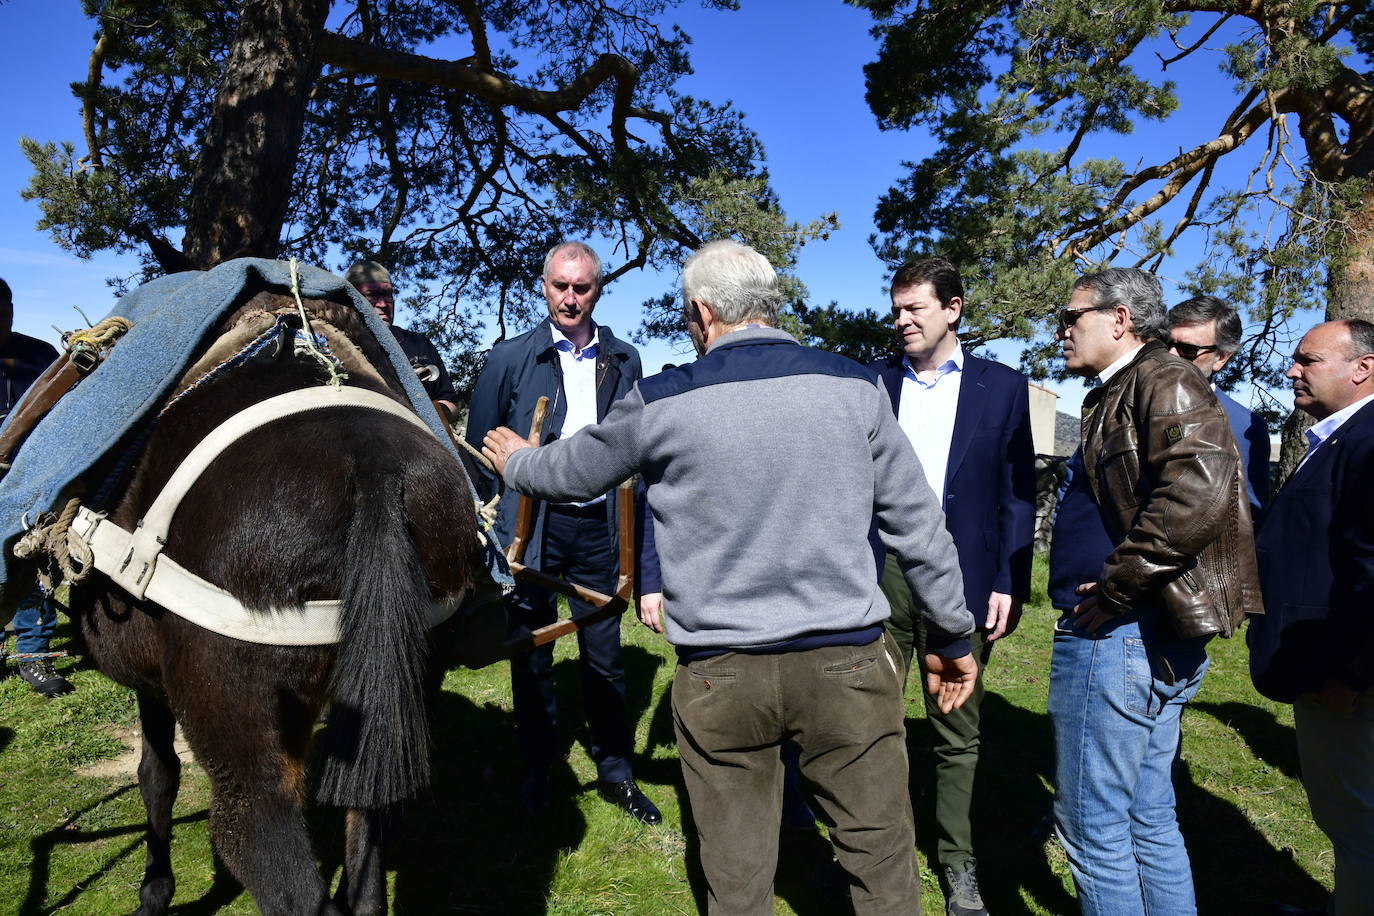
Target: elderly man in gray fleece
{"points": [[768, 465]]}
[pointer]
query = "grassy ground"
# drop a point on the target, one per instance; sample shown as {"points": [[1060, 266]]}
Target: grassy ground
{"points": [[71, 843]]}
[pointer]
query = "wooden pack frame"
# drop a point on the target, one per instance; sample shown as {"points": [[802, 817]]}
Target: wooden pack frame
{"points": [[603, 605]]}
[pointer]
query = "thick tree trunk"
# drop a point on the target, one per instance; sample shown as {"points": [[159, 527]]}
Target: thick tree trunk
{"points": [[1352, 282], [243, 180], [1350, 294]]}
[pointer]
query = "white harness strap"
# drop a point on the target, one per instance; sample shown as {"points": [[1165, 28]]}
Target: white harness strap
{"points": [[135, 563]]}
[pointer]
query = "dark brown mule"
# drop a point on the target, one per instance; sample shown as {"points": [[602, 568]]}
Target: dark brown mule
{"points": [[344, 503]]}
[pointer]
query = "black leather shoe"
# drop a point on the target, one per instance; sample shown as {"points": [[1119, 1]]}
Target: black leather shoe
{"points": [[628, 798], [1283, 909]]}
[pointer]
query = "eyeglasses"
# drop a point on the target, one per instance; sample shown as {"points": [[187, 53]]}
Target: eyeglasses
{"points": [[377, 292], [1069, 317], [1190, 351]]}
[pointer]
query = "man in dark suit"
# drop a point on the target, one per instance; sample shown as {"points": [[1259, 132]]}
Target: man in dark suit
{"points": [[1314, 646], [582, 368], [969, 422], [1206, 331]]}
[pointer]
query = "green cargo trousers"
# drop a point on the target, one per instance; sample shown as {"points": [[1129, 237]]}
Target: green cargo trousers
{"points": [[842, 705], [956, 733]]}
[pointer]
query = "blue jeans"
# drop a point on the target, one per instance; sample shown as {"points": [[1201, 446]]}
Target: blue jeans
{"points": [[34, 622], [1116, 734]]}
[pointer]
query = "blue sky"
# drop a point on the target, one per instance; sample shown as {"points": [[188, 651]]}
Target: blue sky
{"points": [[794, 68]]}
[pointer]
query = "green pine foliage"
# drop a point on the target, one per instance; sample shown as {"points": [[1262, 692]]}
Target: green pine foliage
{"points": [[1036, 178], [516, 125]]}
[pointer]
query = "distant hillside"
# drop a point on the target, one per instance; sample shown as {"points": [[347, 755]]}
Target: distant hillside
{"points": [[1066, 433]]}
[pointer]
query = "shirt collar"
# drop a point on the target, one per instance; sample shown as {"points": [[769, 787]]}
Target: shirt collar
{"points": [[1324, 429], [561, 341], [955, 363], [1121, 363]]}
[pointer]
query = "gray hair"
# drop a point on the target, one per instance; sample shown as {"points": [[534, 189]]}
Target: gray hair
{"points": [[735, 280], [1361, 337], [572, 251], [1202, 309], [1138, 290]]}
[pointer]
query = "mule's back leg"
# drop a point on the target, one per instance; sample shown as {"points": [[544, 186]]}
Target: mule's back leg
{"points": [[250, 733], [159, 777], [362, 889]]}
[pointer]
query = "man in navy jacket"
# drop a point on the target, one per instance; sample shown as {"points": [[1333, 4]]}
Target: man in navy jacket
{"points": [[1206, 331], [1314, 646], [582, 368], [969, 422]]}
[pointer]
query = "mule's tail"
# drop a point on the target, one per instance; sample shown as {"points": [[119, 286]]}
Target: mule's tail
{"points": [[377, 739]]}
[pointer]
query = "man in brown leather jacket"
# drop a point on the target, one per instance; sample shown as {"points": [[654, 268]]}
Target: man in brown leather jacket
{"points": [[1162, 466]]}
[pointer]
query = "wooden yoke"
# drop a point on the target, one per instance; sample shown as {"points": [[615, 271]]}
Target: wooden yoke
{"points": [[524, 510], [604, 605]]}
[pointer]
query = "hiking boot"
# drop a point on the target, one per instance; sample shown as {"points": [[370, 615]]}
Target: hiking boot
{"points": [[44, 679], [962, 895]]}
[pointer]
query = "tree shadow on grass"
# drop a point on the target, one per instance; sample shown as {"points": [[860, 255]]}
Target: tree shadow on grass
{"points": [[1236, 868], [1011, 806], [1268, 739], [470, 846], [224, 889], [45, 845]]}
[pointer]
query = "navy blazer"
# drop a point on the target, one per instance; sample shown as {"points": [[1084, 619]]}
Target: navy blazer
{"points": [[517, 372], [989, 485], [1316, 559], [1252, 438]]}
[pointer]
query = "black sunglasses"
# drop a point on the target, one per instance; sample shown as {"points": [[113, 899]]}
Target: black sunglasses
{"points": [[1190, 351], [1069, 317]]}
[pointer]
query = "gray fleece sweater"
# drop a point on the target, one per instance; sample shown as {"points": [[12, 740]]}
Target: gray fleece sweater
{"points": [[768, 464]]}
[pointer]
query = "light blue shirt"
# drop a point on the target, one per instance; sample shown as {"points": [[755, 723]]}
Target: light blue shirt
{"points": [[926, 414]]}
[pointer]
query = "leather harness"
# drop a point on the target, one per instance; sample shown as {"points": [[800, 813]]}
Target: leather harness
{"points": [[135, 561]]}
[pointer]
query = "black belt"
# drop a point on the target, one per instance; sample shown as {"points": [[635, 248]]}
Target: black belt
{"points": [[595, 510]]}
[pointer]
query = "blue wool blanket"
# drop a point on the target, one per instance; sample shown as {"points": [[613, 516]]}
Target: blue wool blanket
{"points": [[171, 318]]}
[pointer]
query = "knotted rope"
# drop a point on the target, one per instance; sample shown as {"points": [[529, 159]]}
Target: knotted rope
{"points": [[104, 333], [53, 537], [485, 511], [336, 378]]}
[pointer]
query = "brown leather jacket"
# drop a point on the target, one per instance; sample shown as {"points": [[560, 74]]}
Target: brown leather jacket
{"points": [[1163, 464]]}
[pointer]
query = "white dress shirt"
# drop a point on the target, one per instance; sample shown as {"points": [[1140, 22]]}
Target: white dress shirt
{"points": [[926, 414], [1323, 430], [1121, 363], [579, 384]]}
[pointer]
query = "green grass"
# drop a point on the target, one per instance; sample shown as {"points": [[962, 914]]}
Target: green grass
{"points": [[72, 844]]}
